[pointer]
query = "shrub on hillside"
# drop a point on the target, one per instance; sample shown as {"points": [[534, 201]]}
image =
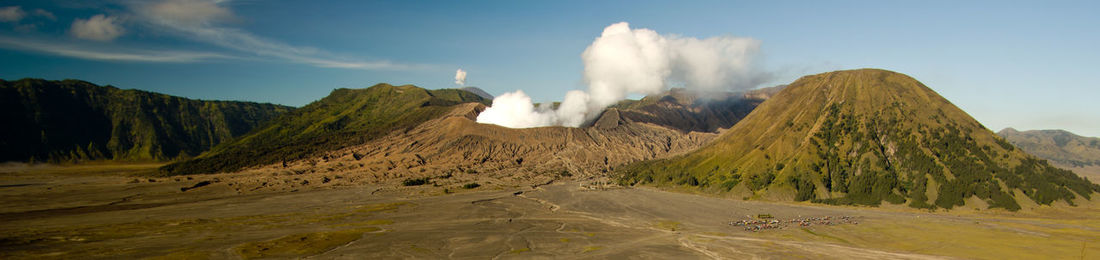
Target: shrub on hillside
{"points": [[415, 182]]}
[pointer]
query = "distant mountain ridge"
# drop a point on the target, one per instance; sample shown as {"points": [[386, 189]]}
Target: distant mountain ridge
{"points": [[434, 132], [1058, 146], [1064, 149], [346, 117], [700, 112], [864, 137], [73, 120]]}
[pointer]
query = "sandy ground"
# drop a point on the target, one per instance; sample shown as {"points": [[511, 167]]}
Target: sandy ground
{"points": [[101, 212]]}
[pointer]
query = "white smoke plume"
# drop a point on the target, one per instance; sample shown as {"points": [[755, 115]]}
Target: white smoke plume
{"points": [[460, 77], [625, 61], [523, 112]]}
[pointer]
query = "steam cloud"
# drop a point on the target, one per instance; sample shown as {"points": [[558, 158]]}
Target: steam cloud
{"points": [[460, 77], [623, 61]]}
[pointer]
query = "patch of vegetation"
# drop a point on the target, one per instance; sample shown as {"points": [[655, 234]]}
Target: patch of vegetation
{"points": [[760, 181], [472, 185], [380, 207], [1004, 144], [415, 182], [189, 253], [379, 222], [419, 249], [729, 184], [804, 188], [825, 236], [668, 224], [298, 245]]}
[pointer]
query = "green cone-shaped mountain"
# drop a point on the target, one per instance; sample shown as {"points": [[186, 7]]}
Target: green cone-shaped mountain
{"points": [[345, 117], [863, 137], [72, 120]]}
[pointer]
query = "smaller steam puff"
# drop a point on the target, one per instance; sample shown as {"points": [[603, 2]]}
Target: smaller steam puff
{"points": [[460, 77]]}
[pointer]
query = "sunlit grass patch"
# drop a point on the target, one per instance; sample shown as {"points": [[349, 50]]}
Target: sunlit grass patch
{"points": [[184, 254], [298, 245], [668, 225], [717, 234], [104, 167], [825, 235], [379, 207]]}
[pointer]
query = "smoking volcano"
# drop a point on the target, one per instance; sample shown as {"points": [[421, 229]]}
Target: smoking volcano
{"points": [[624, 61]]}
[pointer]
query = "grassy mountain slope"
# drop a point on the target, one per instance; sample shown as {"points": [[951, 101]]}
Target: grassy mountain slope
{"points": [[863, 137], [345, 117], [73, 120], [480, 92], [1064, 149]]}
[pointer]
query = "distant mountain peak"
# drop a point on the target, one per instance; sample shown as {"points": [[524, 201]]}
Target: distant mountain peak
{"points": [[1009, 130]]}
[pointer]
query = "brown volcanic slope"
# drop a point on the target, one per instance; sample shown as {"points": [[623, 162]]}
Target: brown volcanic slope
{"points": [[453, 149], [863, 137]]}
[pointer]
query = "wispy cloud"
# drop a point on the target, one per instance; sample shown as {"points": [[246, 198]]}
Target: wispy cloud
{"points": [[205, 21], [22, 21], [97, 28], [12, 14], [201, 20], [84, 51], [46, 14]]}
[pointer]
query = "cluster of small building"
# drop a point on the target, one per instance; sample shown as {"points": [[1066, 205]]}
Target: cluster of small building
{"points": [[759, 224]]}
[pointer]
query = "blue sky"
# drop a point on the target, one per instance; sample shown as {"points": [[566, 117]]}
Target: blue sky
{"points": [[1029, 65]]}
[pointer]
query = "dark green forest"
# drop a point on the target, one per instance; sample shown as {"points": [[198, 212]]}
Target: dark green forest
{"points": [[73, 121]]}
